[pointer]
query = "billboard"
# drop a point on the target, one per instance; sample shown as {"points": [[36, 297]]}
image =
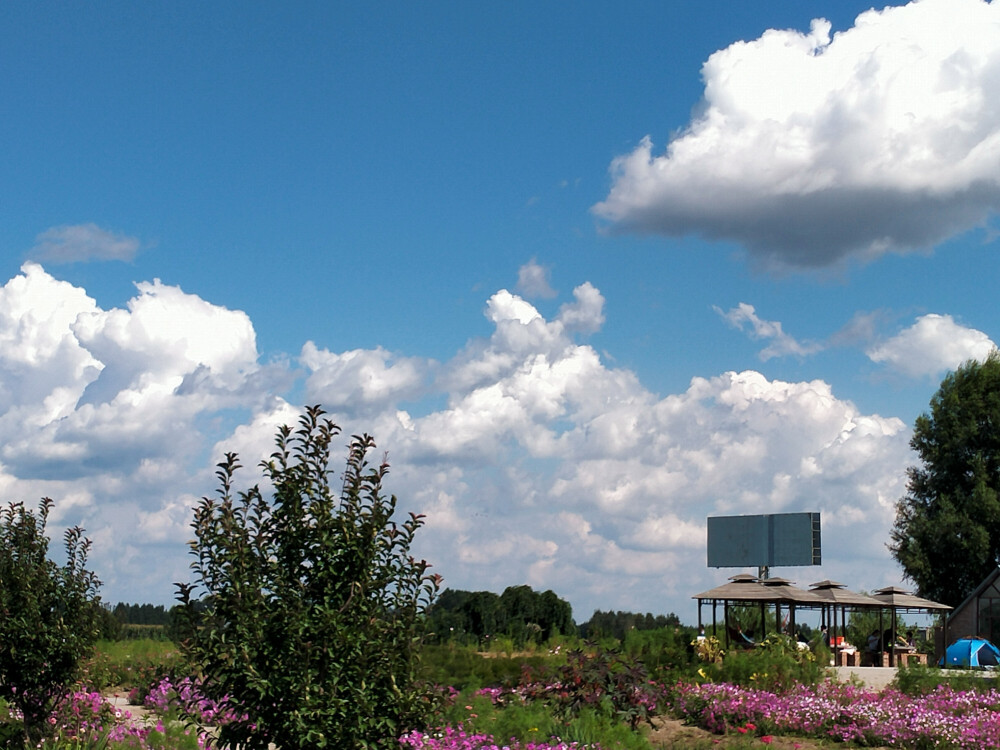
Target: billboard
{"points": [[772, 540]]}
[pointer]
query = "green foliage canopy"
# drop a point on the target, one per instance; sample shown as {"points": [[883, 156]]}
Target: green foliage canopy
{"points": [[48, 614], [312, 603], [947, 530], [619, 624], [519, 612]]}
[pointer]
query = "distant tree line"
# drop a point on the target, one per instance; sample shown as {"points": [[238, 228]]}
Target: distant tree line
{"points": [[617, 624], [122, 622], [141, 614], [518, 613]]}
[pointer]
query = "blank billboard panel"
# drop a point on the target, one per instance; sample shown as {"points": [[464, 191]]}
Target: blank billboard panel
{"points": [[773, 540]]}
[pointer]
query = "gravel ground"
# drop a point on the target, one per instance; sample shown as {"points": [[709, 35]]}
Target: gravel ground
{"points": [[140, 714], [876, 678]]}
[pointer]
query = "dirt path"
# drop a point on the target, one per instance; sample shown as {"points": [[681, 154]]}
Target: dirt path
{"points": [[139, 714], [671, 734]]}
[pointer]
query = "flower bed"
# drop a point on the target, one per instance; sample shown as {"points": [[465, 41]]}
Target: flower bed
{"points": [[86, 719], [942, 718]]}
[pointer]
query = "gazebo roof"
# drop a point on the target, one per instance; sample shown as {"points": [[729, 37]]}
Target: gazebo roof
{"points": [[788, 592], [747, 588], [833, 592], [892, 596]]}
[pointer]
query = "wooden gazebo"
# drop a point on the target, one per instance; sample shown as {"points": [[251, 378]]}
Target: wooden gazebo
{"points": [[828, 596], [750, 590]]}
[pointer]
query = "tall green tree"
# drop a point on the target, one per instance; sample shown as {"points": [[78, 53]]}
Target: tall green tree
{"points": [[947, 530], [312, 601], [48, 616]]}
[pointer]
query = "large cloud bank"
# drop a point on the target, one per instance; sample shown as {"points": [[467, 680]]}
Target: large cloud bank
{"points": [[811, 148], [535, 461]]}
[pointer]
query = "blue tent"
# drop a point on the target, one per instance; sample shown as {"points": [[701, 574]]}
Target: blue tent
{"points": [[972, 652]]}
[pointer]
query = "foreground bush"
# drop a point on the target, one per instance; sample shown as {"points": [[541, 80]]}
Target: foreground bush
{"points": [[48, 617], [312, 601]]}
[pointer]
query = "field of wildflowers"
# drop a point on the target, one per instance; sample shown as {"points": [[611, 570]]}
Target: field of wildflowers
{"points": [[943, 718], [591, 704]]}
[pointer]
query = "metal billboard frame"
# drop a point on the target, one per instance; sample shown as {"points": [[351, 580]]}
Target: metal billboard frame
{"points": [[764, 541]]}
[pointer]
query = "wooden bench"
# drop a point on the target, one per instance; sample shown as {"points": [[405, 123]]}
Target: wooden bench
{"points": [[910, 657], [847, 658]]}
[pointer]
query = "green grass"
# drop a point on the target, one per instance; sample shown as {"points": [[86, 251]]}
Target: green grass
{"points": [[536, 722], [462, 667], [131, 664]]}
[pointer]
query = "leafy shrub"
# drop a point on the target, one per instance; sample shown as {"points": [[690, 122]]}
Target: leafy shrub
{"points": [[48, 615], [775, 664], [919, 679], [312, 601], [603, 681], [662, 650]]}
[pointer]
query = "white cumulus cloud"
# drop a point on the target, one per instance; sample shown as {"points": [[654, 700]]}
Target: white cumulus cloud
{"points": [[933, 345], [110, 412], [812, 148], [358, 380], [534, 460]]}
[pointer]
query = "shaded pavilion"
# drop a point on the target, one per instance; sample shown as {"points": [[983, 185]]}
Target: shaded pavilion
{"points": [[746, 589], [899, 600], [828, 596], [836, 598]]}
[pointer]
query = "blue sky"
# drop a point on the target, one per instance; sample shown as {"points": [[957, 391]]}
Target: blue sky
{"points": [[588, 277]]}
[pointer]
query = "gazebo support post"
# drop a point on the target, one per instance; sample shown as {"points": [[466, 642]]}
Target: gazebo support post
{"points": [[881, 635], [725, 617], [831, 632], [843, 629], [892, 639]]}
